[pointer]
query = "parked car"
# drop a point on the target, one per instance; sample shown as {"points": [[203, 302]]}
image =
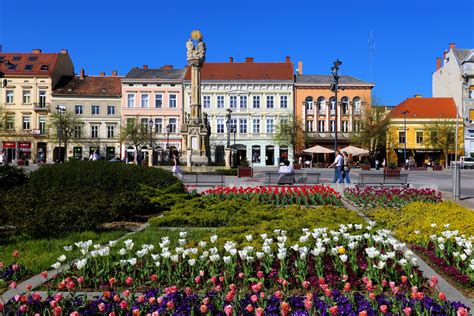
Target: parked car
{"points": [[467, 162]]}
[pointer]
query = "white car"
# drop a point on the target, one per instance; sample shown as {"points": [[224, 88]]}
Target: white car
{"points": [[467, 162]]}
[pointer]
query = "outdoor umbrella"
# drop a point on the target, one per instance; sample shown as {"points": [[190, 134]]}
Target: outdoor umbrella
{"points": [[355, 151], [317, 150]]}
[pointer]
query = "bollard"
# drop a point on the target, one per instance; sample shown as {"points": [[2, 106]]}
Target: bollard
{"points": [[456, 181]]}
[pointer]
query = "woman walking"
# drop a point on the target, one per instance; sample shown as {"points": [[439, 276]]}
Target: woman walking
{"points": [[347, 167], [177, 168]]}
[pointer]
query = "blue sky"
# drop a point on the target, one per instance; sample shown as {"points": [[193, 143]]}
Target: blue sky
{"points": [[102, 35]]}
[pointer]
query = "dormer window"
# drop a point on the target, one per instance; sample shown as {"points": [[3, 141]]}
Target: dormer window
{"points": [[44, 67], [32, 58], [16, 58], [11, 67], [28, 67]]}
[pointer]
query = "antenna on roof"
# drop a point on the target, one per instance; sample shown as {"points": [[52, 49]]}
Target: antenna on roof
{"points": [[371, 56]]}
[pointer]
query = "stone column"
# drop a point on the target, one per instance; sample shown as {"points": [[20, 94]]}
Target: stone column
{"points": [[227, 157]]}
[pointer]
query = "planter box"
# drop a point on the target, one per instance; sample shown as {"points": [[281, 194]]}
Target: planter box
{"points": [[437, 168], [244, 172], [365, 167], [296, 166]]}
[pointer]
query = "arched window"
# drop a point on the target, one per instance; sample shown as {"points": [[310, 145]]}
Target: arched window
{"points": [[309, 103], [321, 104], [332, 102], [345, 105], [357, 104]]}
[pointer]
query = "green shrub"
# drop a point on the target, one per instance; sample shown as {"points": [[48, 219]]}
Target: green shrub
{"points": [[11, 176], [82, 195], [227, 172]]}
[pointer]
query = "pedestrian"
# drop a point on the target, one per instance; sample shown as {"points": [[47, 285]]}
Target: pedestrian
{"points": [[177, 168], [377, 164], [1, 158], [300, 161], [338, 165], [384, 163], [347, 167]]}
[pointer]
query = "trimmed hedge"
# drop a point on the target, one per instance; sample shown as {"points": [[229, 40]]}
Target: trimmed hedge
{"points": [[11, 177], [82, 195]]}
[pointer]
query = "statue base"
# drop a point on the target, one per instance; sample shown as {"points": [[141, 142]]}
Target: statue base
{"points": [[228, 152]]}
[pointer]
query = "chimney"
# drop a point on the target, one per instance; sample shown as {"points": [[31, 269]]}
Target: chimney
{"points": [[231, 60], [167, 67], [249, 59], [452, 45], [114, 73], [36, 51], [145, 66], [418, 96], [102, 74], [288, 59], [438, 63], [82, 73], [63, 51], [300, 68]]}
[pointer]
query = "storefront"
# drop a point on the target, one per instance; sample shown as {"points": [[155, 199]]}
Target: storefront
{"points": [[77, 153], [110, 153], [420, 156], [24, 151], [9, 149]]}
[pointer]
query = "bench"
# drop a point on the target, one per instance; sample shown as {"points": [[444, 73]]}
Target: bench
{"points": [[204, 179], [389, 177], [297, 179]]}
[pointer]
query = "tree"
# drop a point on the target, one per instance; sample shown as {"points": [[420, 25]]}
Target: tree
{"points": [[69, 124], [374, 124], [442, 135], [290, 132], [135, 133]]}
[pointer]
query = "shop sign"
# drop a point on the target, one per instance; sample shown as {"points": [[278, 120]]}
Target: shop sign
{"points": [[9, 145], [24, 146]]}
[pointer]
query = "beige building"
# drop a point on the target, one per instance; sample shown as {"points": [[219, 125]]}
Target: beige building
{"points": [[25, 101], [95, 102]]}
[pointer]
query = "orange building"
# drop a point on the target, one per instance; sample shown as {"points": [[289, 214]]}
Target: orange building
{"points": [[315, 107]]}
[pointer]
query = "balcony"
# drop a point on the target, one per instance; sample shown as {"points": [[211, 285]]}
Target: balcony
{"points": [[37, 133], [41, 107], [333, 112]]}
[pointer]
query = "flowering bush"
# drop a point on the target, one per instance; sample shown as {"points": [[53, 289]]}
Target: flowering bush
{"points": [[372, 197], [304, 195]]}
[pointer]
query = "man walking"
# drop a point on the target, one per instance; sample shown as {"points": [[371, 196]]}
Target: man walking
{"points": [[338, 164]]}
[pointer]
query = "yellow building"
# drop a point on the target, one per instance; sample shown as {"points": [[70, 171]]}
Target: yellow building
{"points": [[422, 130]]}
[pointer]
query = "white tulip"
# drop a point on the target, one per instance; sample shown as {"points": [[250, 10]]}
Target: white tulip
{"points": [[104, 252], [112, 243], [259, 255], [202, 244], [67, 248], [214, 258], [157, 264], [183, 234], [433, 225], [155, 257], [264, 236], [213, 238], [227, 259], [343, 257], [192, 262], [174, 258], [56, 265], [249, 237], [62, 258], [122, 252], [81, 263], [132, 261], [182, 242]]}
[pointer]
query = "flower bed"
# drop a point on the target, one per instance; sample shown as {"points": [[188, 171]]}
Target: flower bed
{"points": [[351, 270], [372, 197], [304, 195]]}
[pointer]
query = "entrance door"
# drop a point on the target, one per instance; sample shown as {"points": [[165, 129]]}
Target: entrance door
{"points": [[41, 154], [56, 156], [270, 155], [11, 154], [110, 153]]}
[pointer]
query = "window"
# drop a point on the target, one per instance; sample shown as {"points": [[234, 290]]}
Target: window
{"points": [[110, 109], [145, 100], [333, 126], [206, 101], [220, 125], [270, 101], [78, 109], [173, 125], [16, 58], [131, 100], [256, 126], [9, 96], [345, 126], [309, 103], [42, 125], [220, 101], [110, 131], [357, 104], [284, 101], [320, 126], [434, 136], [130, 122], [10, 123], [401, 137], [243, 126], [144, 124], [333, 104], [78, 131], [159, 125], [42, 98], [95, 110], [26, 122], [172, 100], [309, 126], [356, 126], [94, 131], [233, 125], [44, 67], [419, 137], [28, 67], [243, 101], [256, 102], [26, 96], [233, 102], [32, 58], [158, 100], [270, 122], [471, 92], [345, 105], [321, 104]]}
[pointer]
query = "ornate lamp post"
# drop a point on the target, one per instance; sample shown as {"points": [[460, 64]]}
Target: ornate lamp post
{"points": [[61, 109], [234, 130], [405, 140], [228, 119], [150, 150], [168, 130], [334, 88]]}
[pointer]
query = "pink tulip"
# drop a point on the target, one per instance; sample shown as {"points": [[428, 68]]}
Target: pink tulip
{"points": [[204, 309], [218, 288], [384, 309], [333, 310], [152, 300], [188, 291], [126, 293], [197, 280], [205, 301], [29, 287], [44, 274], [24, 308], [240, 275], [74, 314], [15, 253], [170, 305], [154, 278], [254, 298], [123, 305], [112, 314], [160, 300], [112, 281], [260, 274], [278, 295], [201, 273], [129, 281], [101, 307], [2, 306], [363, 313], [80, 280], [442, 296], [15, 267], [462, 312], [259, 312], [2, 265], [228, 310], [249, 308], [12, 285], [141, 299]]}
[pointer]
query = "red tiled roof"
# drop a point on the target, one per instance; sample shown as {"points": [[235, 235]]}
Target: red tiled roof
{"points": [[244, 71], [38, 64], [91, 86], [425, 108]]}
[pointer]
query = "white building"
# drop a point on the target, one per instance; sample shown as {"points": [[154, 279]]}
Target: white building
{"points": [[454, 77], [259, 95]]}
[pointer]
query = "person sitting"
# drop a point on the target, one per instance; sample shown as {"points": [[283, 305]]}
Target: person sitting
{"points": [[286, 173]]}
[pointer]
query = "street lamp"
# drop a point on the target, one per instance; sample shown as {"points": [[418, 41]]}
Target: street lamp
{"points": [[234, 130], [168, 130], [150, 151], [60, 109], [405, 140], [228, 119], [334, 88]]}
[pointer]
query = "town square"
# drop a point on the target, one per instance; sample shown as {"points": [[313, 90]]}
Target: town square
{"points": [[236, 157]]}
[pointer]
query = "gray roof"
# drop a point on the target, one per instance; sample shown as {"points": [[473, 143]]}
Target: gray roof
{"points": [[158, 74], [469, 58], [460, 54], [328, 79]]}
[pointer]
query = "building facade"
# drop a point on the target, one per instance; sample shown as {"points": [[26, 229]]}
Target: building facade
{"points": [[454, 77], [25, 102], [415, 126], [259, 96], [315, 107], [95, 101], [156, 95]]}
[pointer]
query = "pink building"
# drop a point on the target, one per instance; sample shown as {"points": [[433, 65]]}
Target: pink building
{"points": [[154, 97]]}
